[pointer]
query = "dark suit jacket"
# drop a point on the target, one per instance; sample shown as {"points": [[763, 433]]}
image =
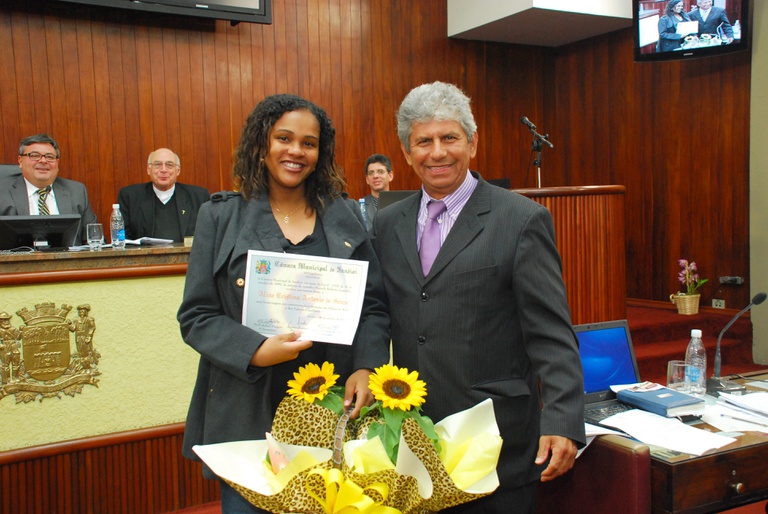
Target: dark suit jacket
{"points": [[716, 17], [669, 39], [71, 198], [137, 204], [371, 208], [232, 400], [488, 322]]}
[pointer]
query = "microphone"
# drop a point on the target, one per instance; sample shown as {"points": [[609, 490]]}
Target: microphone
{"points": [[525, 121], [716, 384]]}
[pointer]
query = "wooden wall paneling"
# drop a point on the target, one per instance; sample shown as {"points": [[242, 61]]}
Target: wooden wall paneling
{"points": [[590, 236], [8, 93], [127, 473], [611, 120]]}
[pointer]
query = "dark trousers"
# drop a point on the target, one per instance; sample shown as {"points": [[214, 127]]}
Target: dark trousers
{"points": [[509, 501], [233, 502]]}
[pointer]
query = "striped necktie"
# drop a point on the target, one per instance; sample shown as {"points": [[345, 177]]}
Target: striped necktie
{"points": [[42, 207]]}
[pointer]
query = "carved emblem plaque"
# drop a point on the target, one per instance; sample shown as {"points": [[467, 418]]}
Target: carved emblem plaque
{"points": [[37, 360]]}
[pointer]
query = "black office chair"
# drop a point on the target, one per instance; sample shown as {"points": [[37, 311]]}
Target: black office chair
{"points": [[9, 170]]}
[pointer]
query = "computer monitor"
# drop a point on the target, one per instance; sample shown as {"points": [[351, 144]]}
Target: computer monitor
{"points": [[39, 232]]}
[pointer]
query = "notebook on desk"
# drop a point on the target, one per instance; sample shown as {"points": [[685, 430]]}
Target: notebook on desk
{"points": [[607, 358]]}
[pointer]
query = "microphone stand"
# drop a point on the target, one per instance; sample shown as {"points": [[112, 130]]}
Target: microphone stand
{"points": [[716, 384], [537, 145]]}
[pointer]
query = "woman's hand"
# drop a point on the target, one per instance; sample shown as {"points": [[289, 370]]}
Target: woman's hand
{"points": [[357, 391], [280, 348]]}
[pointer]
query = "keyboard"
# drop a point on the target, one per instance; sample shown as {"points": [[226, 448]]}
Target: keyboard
{"points": [[597, 412]]}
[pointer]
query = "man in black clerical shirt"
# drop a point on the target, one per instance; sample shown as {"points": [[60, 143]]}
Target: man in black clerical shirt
{"points": [[161, 208]]}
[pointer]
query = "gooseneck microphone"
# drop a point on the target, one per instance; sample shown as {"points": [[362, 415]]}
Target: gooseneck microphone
{"points": [[716, 384], [525, 121]]}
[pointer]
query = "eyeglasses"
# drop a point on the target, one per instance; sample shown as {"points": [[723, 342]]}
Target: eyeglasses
{"points": [[379, 172], [168, 164], [36, 156]]}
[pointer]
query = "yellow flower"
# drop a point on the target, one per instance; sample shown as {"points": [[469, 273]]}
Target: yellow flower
{"points": [[312, 382], [395, 388]]}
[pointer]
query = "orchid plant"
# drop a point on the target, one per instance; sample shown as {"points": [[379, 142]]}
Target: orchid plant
{"points": [[688, 275]]}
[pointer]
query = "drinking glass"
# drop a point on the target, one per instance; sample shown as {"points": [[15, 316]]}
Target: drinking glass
{"points": [[676, 375], [95, 236]]}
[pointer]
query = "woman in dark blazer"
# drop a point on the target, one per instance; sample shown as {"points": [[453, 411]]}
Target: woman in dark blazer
{"points": [[290, 201], [669, 39]]}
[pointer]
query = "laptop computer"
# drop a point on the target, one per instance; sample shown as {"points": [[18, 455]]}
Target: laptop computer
{"points": [[607, 358], [387, 198]]}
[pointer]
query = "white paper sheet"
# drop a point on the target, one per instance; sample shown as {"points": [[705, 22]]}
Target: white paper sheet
{"points": [[669, 433]]}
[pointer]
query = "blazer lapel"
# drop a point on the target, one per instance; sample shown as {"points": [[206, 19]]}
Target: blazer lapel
{"points": [[148, 209], [405, 230], [63, 198], [183, 203], [19, 195]]}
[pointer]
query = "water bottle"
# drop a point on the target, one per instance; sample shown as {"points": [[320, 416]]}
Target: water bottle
{"points": [[117, 227], [366, 218], [696, 365]]}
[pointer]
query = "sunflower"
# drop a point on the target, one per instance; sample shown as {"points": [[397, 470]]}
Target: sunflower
{"points": [[395, 388], [312, 382]]}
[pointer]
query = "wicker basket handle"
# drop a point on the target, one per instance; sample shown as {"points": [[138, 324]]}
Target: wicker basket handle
{"points": [[338, 438]]}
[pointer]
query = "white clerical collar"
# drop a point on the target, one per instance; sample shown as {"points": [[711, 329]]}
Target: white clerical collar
{"points": [[164, 196]]}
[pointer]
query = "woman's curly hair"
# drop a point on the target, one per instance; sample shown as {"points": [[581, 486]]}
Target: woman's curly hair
{"points": [[250, 174]]}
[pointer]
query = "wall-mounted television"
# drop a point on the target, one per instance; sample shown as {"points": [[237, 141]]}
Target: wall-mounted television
{"points": [[687, 29], [254, 11]]}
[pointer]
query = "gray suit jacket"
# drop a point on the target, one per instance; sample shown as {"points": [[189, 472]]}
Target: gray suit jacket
{"points": [[137, 205], [71, 198], [233, 400], [489, 321]]}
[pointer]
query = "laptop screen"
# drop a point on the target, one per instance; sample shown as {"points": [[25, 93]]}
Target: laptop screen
{"points": [[607, 355], [387, 198]]}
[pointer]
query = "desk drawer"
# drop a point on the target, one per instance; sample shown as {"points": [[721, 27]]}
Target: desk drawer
{"points": [[711, 482]]}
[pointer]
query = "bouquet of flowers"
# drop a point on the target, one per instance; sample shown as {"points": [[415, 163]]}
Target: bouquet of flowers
{"points": [[392, 459]]}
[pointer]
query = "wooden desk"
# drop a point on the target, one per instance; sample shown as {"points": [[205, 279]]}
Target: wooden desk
{"points": [[726, 478]]}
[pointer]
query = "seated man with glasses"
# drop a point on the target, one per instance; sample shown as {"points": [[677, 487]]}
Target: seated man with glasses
{"points": [[39, 190], [161, 208], [378, 175]]}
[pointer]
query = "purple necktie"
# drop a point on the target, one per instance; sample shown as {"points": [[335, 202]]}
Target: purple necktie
{"points": [[430, 239]]}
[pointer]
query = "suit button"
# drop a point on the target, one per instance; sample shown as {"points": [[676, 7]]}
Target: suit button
{"points": [[424, 297], [240, 282], [422, 339]]}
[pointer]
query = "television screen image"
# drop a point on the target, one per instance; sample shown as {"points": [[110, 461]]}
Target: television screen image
{"points": [[39, 232], [686, 29]]}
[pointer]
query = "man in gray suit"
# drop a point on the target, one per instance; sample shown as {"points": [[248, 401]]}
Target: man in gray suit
{"points": [[489, 318], [38, 189]]}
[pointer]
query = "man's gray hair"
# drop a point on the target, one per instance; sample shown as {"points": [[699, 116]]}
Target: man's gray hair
{"points": [[436, 101]]}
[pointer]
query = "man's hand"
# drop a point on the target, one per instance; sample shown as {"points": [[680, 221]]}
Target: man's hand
{"points": [[357, 390], [280, 348], [563, 452]]}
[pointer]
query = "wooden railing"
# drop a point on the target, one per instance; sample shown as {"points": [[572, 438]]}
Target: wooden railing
{"points": [[589, 226], [137, 472]]}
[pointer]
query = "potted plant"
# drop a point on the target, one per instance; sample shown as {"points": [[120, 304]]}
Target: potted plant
{"points": [[688, 302]]}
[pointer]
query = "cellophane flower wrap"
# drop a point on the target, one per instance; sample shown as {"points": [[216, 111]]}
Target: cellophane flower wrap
{"points": [[393, 459]]}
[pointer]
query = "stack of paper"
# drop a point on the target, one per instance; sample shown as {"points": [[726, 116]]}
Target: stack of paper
{"points": [[751, 408]]}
